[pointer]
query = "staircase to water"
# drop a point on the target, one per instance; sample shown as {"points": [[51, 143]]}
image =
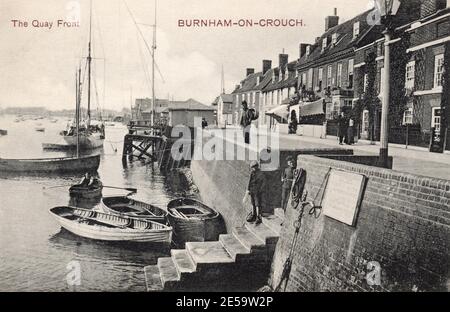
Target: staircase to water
{"points": [[239, 261]]}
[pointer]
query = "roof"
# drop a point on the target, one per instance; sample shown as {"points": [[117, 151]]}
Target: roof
{"points": [[345, 41], [289, 81], [190, 104], [249, 83], [226, 98]]}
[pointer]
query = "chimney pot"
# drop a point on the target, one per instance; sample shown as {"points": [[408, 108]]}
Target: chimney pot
{"points": [[250, 71], [302, 49]]}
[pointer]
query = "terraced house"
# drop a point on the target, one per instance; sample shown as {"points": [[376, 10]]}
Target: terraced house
{"points": [[281, 86], [250, 89]]}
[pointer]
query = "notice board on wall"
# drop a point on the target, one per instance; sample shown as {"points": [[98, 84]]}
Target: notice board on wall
{"points": [[343, 195]]}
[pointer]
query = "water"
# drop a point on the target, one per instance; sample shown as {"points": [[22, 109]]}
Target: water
{"points": [[35, 253]]}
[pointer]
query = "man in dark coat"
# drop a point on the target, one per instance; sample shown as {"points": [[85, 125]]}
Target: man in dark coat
{"points": [[255, 190], [246, 122], [342, 128], [287, 179]]}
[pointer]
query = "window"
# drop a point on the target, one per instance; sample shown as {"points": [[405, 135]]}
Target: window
{"points": [[334, 39], [408, 116], [355, 30], [329, 78], [339, 74], [410, 75], [436, 119], [438, 70], [350, 72], [320, 78], [324, 44], [310, 78], [366, 79]]}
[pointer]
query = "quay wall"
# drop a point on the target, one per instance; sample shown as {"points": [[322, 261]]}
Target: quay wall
{"points": [[222, 184], [400, 242]]}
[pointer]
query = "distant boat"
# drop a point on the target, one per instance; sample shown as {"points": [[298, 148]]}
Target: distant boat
{"points": [[107, 227], [40, 129], [194, 221], [88, 192], [123, 205], [50, 165], [3, 132]]}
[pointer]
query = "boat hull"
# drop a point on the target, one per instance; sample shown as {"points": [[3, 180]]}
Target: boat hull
{"points": [[124, 206], [195, 229], [50, 165], [70, 143], [96, 232], [78, 191]]}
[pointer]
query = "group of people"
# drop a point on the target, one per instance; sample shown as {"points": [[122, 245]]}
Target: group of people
{"points": [[346, 131], [257, 187], [89, 181]]}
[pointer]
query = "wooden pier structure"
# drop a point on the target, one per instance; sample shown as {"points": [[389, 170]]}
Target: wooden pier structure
{"points": [[154, 144]]}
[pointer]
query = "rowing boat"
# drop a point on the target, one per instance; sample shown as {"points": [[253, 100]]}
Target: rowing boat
{"points": [[123, 205], [107, 227], [83, 191], [50, 165], [194, 221]]}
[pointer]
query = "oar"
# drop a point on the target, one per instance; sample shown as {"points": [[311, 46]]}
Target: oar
{"points": [[134, 190], [52, 187]]}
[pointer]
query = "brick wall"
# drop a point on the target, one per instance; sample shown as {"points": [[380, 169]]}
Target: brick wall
{"points": [[403, 224]]}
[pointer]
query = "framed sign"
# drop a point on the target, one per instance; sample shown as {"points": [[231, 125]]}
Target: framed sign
{"points": [[343, 195]]}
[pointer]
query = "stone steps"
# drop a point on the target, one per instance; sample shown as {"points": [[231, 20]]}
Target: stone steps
{"points": [[232, 257]]}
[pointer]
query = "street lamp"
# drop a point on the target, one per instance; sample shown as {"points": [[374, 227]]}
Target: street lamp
{"points": [[388, 9]]}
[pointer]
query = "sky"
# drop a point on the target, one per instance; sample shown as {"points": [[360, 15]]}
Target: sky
{"points": [[38, 64]]}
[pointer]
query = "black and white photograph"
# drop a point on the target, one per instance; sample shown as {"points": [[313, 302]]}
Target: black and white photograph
{"points": [[248, 147]]}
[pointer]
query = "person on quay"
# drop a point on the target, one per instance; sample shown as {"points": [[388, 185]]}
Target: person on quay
{"points": [[87, 179], [287, 179], [255, 190], [246, 122], [204, 123], [342, 128], [293, 124]]}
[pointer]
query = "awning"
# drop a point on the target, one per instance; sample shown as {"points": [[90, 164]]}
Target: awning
{"points": [[312, 108], [280, 112]]}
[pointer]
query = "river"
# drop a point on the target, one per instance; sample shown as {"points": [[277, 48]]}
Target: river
{"points": [[35, 253]]}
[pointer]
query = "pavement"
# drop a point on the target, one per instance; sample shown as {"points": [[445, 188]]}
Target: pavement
{"points": [[415, 160]]}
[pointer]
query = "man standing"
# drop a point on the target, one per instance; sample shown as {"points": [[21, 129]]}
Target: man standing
{"points": [[342, 127], [246, 122], [255, 190], [287, 179]]}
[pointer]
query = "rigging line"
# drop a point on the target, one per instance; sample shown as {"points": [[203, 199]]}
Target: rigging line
{"points": [[99, 31], [145, 41], [144, 64]]}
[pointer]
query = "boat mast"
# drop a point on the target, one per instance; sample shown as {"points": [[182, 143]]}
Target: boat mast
{"points": [[89, 60], [153, 71], [77, 108]]}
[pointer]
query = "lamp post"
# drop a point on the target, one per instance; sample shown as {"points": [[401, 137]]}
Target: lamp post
{"points": [[388, 9]]}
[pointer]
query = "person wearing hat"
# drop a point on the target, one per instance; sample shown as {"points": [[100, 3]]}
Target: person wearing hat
{"points": [[246, 121], [255, 190], [287, 178]]}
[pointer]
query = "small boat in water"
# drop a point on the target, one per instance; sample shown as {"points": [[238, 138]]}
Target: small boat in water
{"points": [[40, 129], [86, 191], [107, 227], [50, 165], [125, 206], [194, 221], [3, 132]]}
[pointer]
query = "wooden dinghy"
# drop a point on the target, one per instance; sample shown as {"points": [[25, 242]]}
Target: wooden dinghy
{"points": [[107, 227], [125, 206], [82, 191], [194, 221], [50, 165]]}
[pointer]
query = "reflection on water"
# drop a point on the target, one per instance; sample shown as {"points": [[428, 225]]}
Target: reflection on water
{"points": [[35, 251]]}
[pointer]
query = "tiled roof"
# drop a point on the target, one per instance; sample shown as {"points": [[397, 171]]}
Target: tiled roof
{"points": [[345, 40], [290, 81], [227, 98], [190, 104]]}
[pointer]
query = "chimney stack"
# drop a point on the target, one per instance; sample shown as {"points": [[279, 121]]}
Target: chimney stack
{"points": [[267, 64], [283, 60], [429, 7], [331, 21], [302, 49], [250, 71]]}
